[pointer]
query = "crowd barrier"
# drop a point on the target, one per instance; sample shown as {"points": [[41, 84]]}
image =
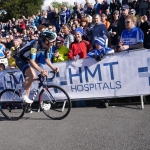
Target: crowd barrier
{"points": [[122, 74]]}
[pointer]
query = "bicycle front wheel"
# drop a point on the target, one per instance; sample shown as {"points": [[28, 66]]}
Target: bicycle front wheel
{"points": [[11, 106], [55, 102]]}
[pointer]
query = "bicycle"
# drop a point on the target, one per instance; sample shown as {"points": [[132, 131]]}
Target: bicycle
{"points": [[53, 100]]}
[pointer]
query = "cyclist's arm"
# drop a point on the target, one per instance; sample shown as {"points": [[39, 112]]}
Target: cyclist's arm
{"points": [[32, 60], [47, 60]]}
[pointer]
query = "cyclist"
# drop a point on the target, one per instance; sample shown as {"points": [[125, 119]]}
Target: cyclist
{"points": [[26, 60]]}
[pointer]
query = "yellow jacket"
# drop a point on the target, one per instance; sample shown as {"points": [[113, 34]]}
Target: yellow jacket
{"points": [[63, 54], [11, 60]]}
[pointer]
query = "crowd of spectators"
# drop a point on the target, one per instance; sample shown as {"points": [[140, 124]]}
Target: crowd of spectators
{"points": [[123, 26]]}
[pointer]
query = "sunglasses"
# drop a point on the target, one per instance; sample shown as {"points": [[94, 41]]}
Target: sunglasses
{"points": [[58, 42]]}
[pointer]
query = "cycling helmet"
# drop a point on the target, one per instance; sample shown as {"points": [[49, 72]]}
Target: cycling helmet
{"points": [[48, 35]]}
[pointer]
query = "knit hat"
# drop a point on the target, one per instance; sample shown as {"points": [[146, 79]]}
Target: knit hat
{"points": [[79, 30], [100, 41]]}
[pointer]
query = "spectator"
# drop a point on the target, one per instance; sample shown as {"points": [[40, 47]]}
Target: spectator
{"points": [[62, 16], [68, 14], [121, 22], [108, 15], [132, 12], [115, 5], [100, 49], [56, 20], [132, 37], [104, 21], [145, 26], [89, 9], [143, 7], [50, 14], [68, 37], [13, 51], [2, 51], [90, 21], [76, 22], [104, 6], [86, 29], [61, 53], [2, 66], [43, 18], [9, 42], [79, 48], [98, 30], [97, 7], [73, 27], [113, 29]]}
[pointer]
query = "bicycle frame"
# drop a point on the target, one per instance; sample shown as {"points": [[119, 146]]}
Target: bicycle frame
{"points": [[41, 84]]}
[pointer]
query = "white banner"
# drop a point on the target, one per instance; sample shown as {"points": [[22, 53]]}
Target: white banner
{"points": [[120, 74]]}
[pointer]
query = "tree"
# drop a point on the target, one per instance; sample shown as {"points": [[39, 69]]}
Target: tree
{"points": [[17, 8], [58, 5]]}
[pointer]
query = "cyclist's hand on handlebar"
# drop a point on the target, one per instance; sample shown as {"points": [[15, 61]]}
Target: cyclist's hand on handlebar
{"points": [[56, 70], [44, 73]]}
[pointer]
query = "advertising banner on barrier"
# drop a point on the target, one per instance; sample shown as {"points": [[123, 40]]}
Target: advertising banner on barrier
{"points": [[121, 74]]}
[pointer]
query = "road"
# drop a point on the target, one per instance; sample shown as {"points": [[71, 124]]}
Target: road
{"points": [[89, 128]]}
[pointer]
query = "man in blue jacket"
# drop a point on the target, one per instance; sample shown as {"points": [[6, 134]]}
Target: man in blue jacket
{"points": [[99, 29]]}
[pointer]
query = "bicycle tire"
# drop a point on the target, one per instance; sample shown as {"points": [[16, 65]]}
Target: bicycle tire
{"points": [[12, 110], [62, 105]]}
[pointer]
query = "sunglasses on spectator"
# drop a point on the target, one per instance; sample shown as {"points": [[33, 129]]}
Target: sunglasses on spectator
{"points": [[58, 42], [127, 22]]}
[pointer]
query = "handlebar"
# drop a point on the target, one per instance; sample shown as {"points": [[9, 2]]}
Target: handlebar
{"points": [[44, 79]]}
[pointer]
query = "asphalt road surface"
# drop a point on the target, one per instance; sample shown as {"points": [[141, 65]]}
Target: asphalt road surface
{"points": [[89, 128]]}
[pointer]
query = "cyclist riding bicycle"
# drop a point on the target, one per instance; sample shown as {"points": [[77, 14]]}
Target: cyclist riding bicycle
{"points": [[26, 60]]}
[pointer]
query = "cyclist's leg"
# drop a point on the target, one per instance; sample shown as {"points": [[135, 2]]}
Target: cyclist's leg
{"points": [[30, 76]]}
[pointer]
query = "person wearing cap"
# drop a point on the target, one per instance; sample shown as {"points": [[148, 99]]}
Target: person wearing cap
{"points": [[61, 53], [79, 48], [132, 12], [132, 37], [121, 22], [100, 49]]}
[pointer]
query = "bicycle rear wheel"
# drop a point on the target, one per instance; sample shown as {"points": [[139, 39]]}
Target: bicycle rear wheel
{"points": [[11, 106], [55, 102]]}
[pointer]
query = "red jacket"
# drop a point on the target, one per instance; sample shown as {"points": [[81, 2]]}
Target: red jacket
{"points": [[80, 49], [22, 25]]}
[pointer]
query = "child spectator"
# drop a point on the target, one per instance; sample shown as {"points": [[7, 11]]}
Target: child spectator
{"points": [[100, 49]]}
